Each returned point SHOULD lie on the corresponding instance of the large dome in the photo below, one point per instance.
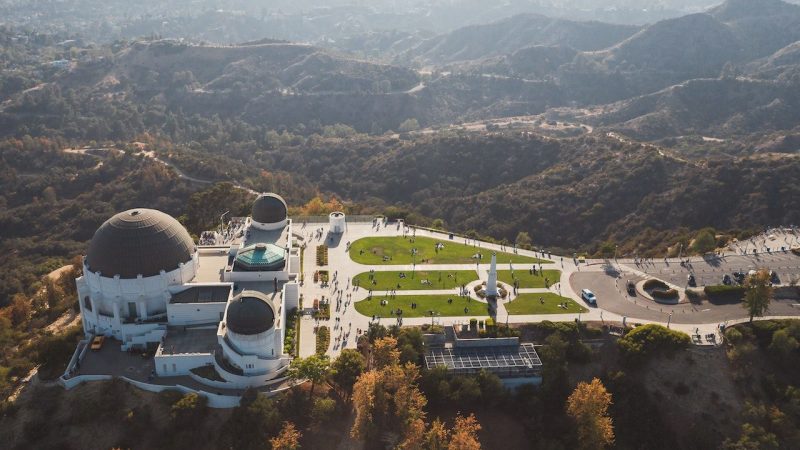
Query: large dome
(269, 208)
(139, 242)
(250, 313)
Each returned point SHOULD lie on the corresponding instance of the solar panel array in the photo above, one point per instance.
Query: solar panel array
(522, 358)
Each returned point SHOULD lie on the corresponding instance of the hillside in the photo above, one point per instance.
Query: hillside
(763, 26)
(563, 192)
(512, 34)
(715, 107)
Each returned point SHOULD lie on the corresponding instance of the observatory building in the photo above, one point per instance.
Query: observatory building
(222, 305)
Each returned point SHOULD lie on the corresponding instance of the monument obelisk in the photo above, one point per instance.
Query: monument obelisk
(491, 283)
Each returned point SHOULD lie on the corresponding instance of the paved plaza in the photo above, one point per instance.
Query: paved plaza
(614, 304)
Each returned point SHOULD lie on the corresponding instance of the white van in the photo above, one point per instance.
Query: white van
(589, 296)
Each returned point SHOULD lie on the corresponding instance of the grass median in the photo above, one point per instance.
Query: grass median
(397, 250)
(417, 280)
(543, 303)
(460, 306)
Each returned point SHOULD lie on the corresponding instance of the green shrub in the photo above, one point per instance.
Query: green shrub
(733, 335)
(648, 340)
(323, 340)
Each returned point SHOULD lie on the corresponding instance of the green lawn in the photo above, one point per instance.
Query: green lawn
(439, 279)
(528, 280)
(397, 249)
(425, 303)
(529, 304)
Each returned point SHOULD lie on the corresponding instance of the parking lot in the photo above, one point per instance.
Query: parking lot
(710, 271)
(612, 296)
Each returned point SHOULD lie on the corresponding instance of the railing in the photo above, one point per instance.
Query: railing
(325, 219)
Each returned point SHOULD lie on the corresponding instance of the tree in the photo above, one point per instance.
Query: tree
(388, 400)
(323, 410)
(705, 241)
(437, 437)
(346, 369)
(251, 424)
(385, 353)
(783, 344)
(554, 370)
(315, 368)
(188, 410)
(409, 125)
(523, 239)
(758, 293)
(465, 434)
(588, 406)
(287, 439)
(651, 339)
(607, 249)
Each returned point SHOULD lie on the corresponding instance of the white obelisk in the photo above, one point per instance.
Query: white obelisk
(491, 283)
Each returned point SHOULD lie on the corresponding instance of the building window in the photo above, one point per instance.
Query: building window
(87, 303)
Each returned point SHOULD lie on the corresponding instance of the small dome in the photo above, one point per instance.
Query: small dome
(269, 208)
(250, 313)
(261, 257)
(139, 242)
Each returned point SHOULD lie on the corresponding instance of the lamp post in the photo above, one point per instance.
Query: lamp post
(413, 261)
(669, 320)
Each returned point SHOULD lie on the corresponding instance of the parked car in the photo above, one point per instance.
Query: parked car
(773, 277)
(589, 296)
(739, 277)
(691, 280)
(631, 289)
(97, 342)
(726, 280)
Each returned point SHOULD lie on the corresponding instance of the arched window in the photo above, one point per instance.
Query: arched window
(87, 304)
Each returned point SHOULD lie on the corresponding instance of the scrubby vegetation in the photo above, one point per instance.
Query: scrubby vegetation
(646, 341)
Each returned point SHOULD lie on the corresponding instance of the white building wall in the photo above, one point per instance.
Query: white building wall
(180, 364)
(195, 313)
(291, 297)
(238, 276)
(336, 222)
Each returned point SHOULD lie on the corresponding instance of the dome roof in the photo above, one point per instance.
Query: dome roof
(139, 242)
(269, 208)
(261, 257)
(250, 313)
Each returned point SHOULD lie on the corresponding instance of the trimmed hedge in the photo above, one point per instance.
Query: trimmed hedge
(669, 294)
(323, 340)
(655, 284)
(724, 291)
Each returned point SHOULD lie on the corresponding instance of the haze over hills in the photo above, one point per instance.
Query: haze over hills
(585, 128)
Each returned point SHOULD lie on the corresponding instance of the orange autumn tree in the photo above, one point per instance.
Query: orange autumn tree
(588, 406)
(317, 206)
(287, 439)
(465, 434)
(387, 399)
